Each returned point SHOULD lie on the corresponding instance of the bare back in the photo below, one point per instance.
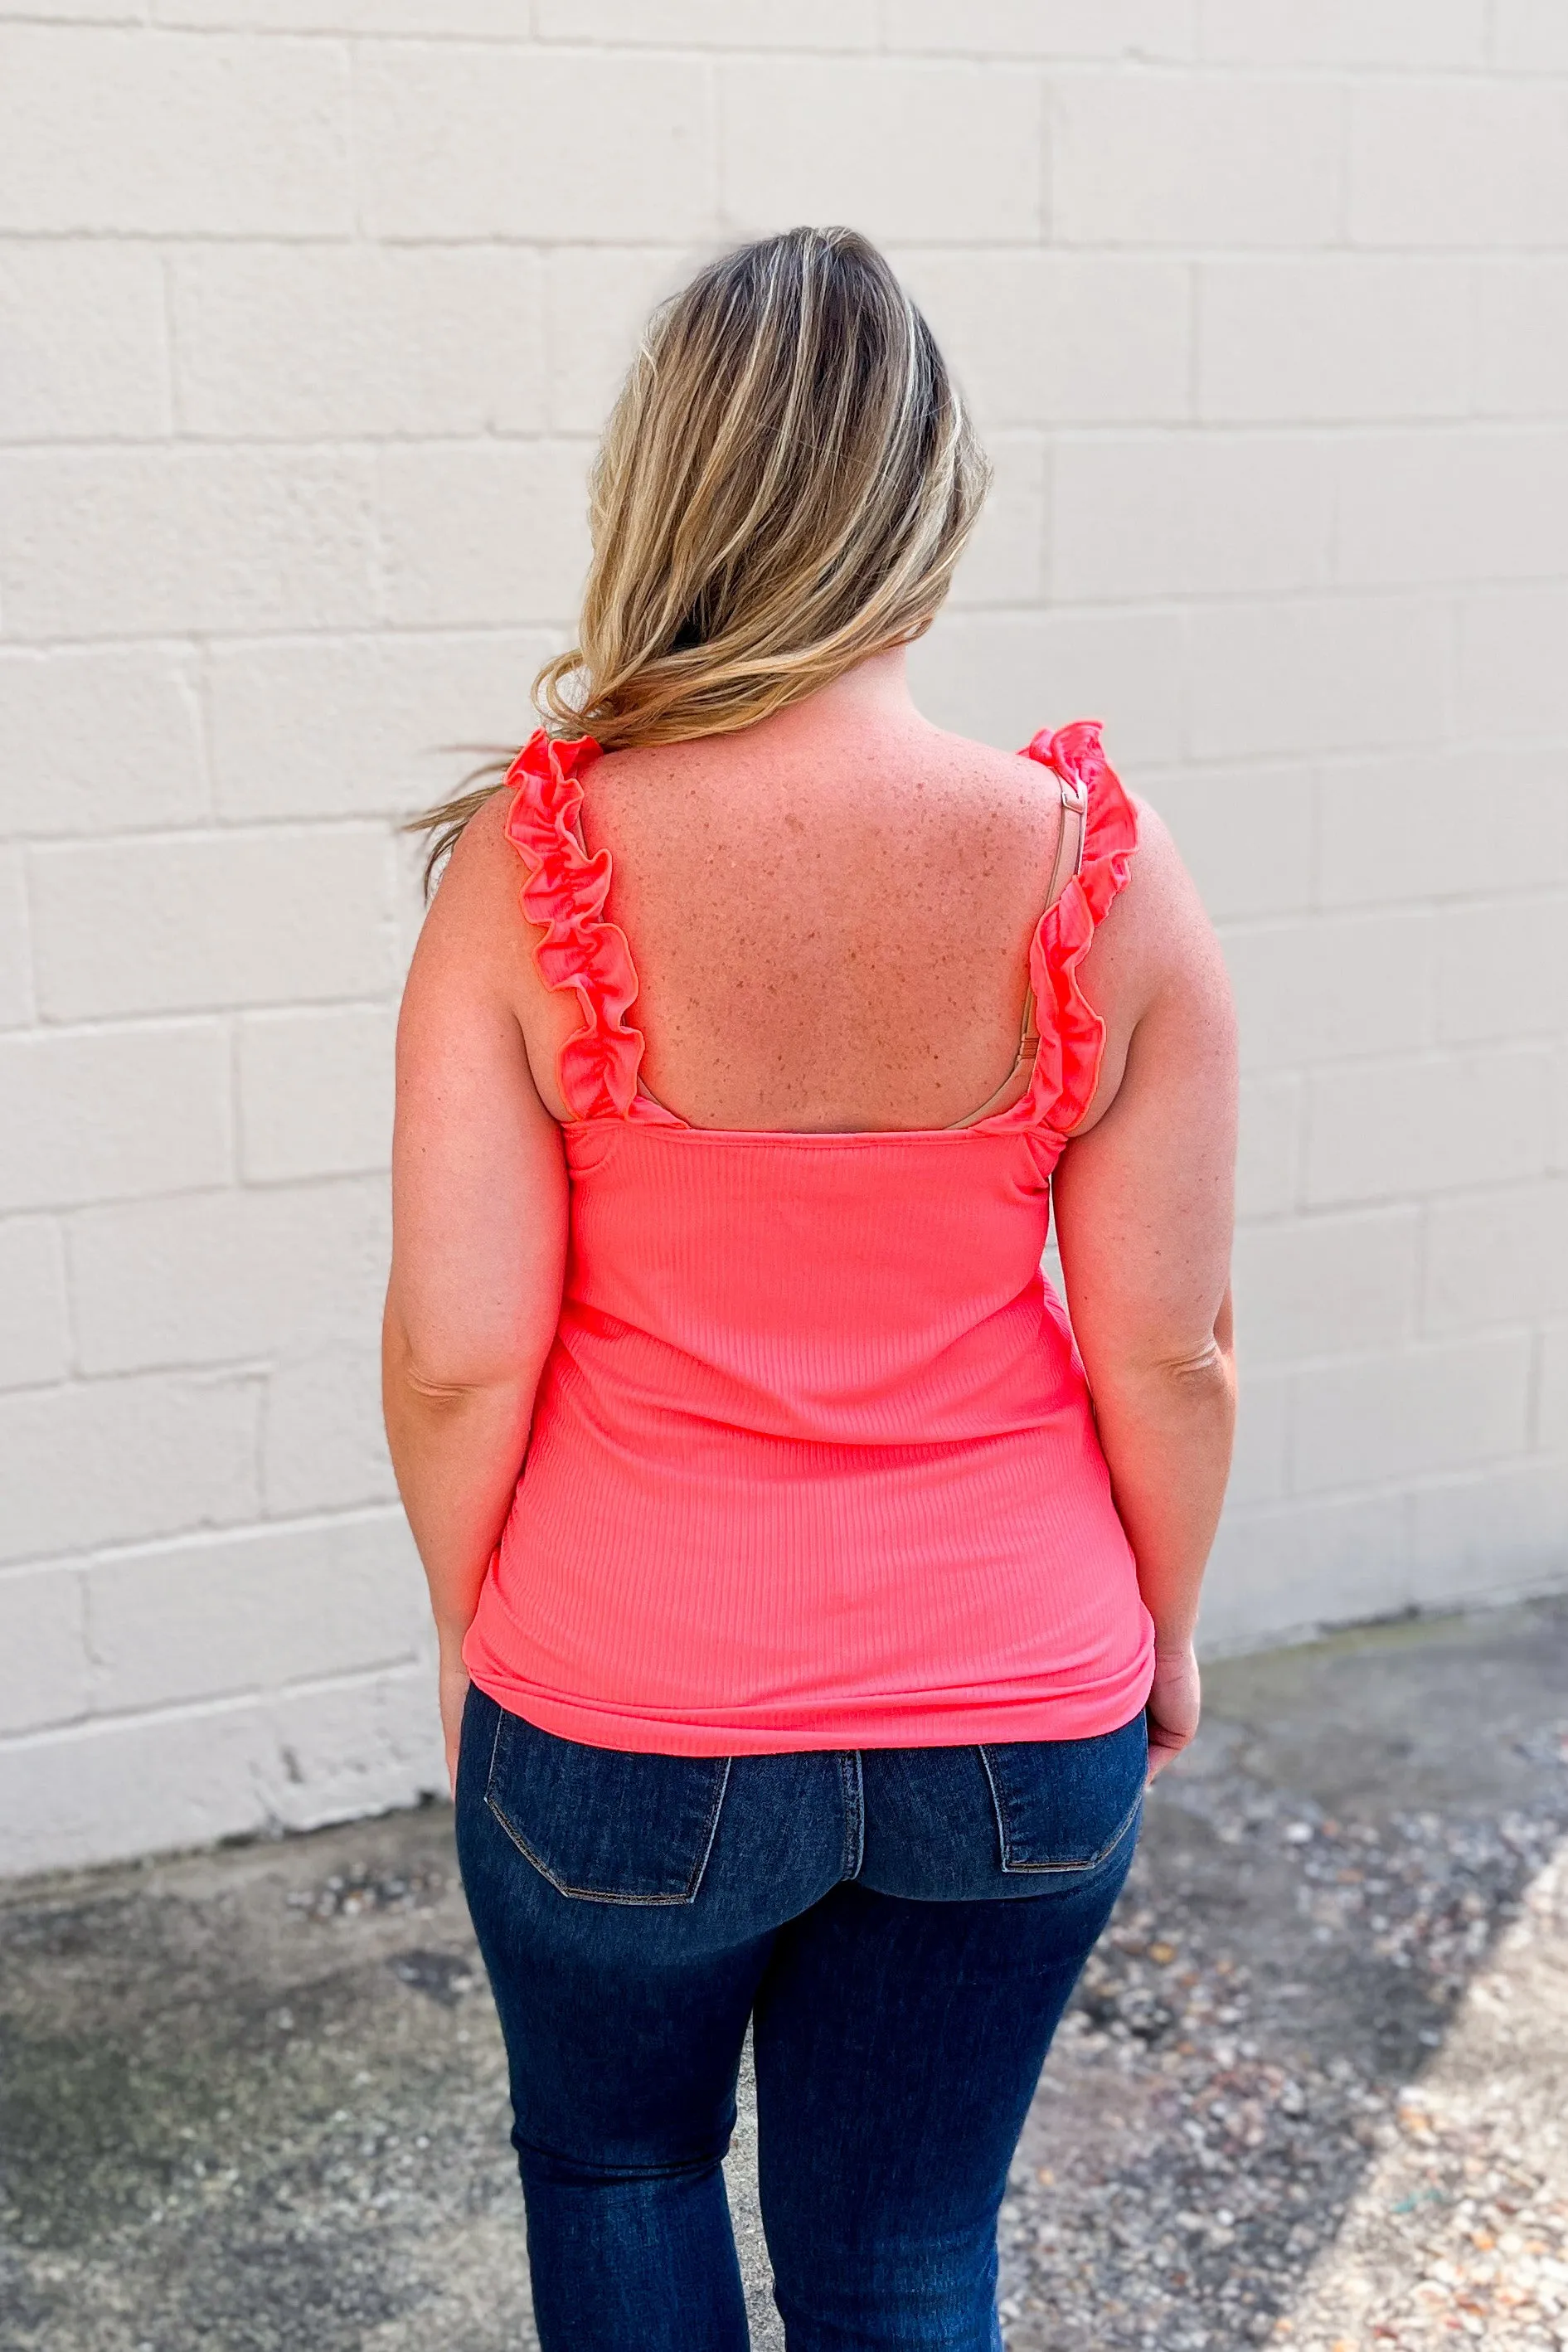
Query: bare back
(829, 915)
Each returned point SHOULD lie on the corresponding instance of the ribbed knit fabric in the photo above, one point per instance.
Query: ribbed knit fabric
(812, 1461)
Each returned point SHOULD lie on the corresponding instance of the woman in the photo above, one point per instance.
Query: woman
(807, 1634)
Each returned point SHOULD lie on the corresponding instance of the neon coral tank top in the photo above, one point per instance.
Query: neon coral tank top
(812, 1461)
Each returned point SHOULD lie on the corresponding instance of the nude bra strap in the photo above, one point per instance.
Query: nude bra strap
(1074, 830)
(1070, 844)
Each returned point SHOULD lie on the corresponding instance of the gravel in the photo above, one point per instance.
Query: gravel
(1461, 2229)
(1206, 2121)
(1314, 2090)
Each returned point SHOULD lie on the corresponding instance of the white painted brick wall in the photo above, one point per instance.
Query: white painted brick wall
(1522, 333)
(1292, 337)
(310, 312)
(182, 923)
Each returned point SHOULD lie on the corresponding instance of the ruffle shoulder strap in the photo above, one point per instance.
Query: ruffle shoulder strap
(1072, 1034)
(564, 893)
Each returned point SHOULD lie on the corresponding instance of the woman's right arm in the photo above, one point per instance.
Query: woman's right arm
(480, 1206)
(1145, 1204)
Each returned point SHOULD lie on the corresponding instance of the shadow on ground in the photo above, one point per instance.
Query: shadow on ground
(253, 2100)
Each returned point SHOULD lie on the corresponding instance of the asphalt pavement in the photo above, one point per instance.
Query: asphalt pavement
(1309, 2092)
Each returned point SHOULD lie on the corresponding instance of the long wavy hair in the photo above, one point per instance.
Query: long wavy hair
(786, 483)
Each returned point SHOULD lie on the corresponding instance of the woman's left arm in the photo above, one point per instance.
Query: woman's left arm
(479, 1235)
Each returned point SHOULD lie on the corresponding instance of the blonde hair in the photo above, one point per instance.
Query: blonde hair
(787, 481)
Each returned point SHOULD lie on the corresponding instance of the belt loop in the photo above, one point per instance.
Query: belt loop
(852, 1779)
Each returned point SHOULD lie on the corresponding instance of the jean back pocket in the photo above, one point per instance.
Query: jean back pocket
(1067, 1804)
(601, 1824)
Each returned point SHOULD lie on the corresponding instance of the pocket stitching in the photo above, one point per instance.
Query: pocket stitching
(599, 1893)
(1060, 1869)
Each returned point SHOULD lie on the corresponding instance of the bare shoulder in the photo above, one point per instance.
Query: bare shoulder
(1155, 965)
(1156, 933)
(480, 876)
(474, 939)
(474, 922)
(475, 954)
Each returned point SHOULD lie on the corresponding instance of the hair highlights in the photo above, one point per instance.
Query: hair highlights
(786, 483)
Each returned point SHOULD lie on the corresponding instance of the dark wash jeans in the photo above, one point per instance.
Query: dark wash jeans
(902, 1925)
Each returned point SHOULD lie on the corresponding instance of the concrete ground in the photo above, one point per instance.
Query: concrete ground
(1310, 2093)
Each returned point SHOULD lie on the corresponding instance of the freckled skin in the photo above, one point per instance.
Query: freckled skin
(829, 915)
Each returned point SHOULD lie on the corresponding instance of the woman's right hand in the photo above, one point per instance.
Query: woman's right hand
(453, 1689)
(1174, 1707)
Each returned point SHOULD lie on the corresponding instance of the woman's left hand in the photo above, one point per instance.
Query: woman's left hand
(454, 1692)
(1175, 1703)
